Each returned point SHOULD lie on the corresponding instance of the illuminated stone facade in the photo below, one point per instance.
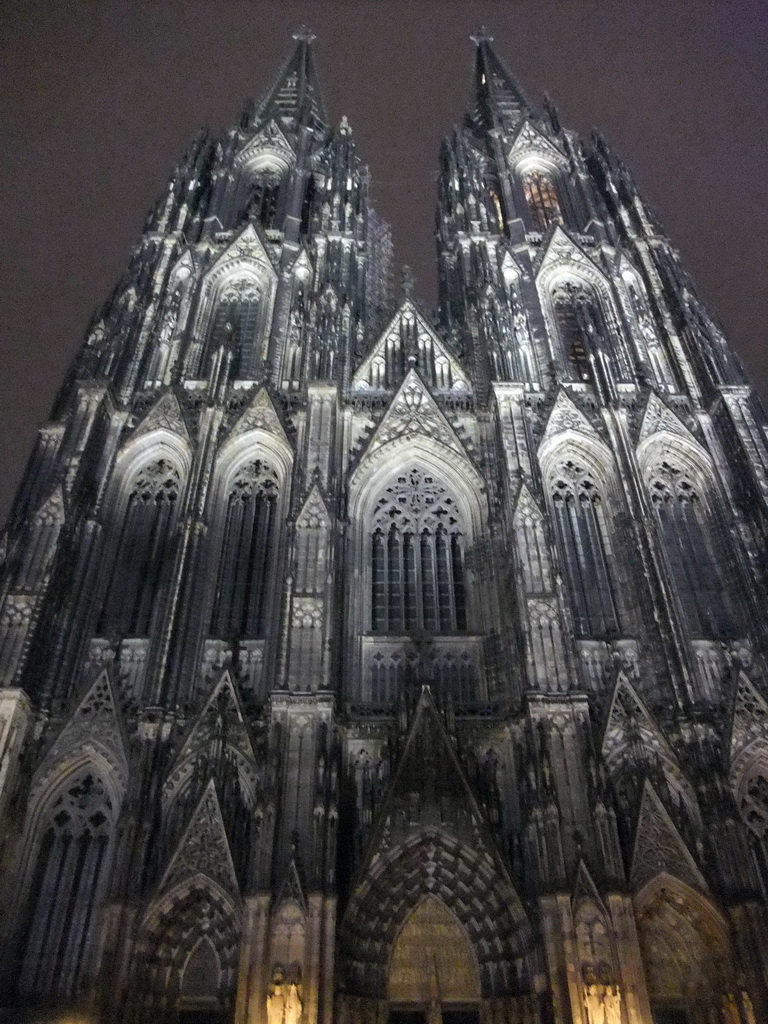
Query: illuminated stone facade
(363, 665)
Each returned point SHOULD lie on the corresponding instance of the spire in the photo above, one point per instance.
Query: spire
(295, 95)
(496, 96)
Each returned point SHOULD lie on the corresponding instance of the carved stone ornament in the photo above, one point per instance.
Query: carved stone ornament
(660, 847)
(203, 848)
(414, 412)
(164, 415)
(259, 414)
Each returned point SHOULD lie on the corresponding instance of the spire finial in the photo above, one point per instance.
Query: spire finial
(304, 35)
(482, 35)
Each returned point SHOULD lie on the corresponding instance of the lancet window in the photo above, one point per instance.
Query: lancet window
(68, 882)
(144, 552)
(577, 317)
(262, 205)
(417, 554)
(582, 533)
(686, 534)
(541, 197)
(754, 813)
(247, 553)
(235, 324)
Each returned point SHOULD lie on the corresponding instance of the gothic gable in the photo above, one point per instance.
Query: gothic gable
(248, 248)
(526, 507)
(565, 417)
(629, 722)
(165, 414)
(529, 141)
(414, 413)
(749, 719)
(429, 788)
(95, 728)
(203, 848)
(659, 418)
(585, 890)
(314, 512)
(268, 141)
(409, 337)
(259, 414)
(562, 252)
(659, 847)
(221, 720)
(52, 510)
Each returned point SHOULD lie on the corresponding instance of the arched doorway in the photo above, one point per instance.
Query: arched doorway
(433, 971)
(685, 950)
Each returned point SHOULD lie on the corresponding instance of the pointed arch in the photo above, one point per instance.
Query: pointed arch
(68, 849)
(469, 885)
(685, 947)
(248, 505)
(581, 492)
(749, 784)
(580, 312)
(169, 936)
(141, 513)
(681, 489)
(234, 313)
(432, 959)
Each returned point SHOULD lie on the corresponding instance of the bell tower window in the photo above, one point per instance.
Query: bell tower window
(541, 197)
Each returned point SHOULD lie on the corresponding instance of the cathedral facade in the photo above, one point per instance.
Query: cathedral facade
(361, 665)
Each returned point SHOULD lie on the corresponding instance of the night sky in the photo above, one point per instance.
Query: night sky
(99, 99)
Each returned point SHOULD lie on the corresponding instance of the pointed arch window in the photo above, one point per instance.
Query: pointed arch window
(754, 812)
(687, 538)
(247, 553)
(541, 197)
(234, 326)
(579, 518)
(145, 551)
(417, 555)
(262, 205)
(68, 883)
(577, 317)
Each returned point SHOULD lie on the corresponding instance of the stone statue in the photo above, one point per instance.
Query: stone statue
(276, 998)
(292, 1003)
(594, 1005)
(612, 1004)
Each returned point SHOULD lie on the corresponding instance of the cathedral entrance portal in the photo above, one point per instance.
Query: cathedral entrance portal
(433, 972)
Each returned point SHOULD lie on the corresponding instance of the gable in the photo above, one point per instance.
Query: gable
(409, 339)
(165, 414)
(659, 846)
(203, 848)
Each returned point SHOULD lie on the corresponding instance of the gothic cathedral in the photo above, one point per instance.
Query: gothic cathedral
(365, 666)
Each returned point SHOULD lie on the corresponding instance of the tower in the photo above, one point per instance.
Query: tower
(360, 665)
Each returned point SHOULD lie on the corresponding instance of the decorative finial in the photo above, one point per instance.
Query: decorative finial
(407, 281)
(344, 128)
(304, 35)
(482, 35)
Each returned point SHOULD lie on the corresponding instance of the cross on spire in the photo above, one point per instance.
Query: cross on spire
(304, 35)
(482, 35)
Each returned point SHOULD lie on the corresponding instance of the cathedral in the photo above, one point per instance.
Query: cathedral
(365, 665)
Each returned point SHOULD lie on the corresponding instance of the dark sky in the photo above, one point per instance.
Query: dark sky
(98, 99)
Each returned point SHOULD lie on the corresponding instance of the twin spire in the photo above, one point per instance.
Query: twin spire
(295, 96)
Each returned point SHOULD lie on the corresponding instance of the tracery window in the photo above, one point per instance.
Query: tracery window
(145, 551)
(262, 206)
(686, 534)
(247, 553)
(417, 556)
(754, 813)
(579, 518)
(234, 326)
(66, 887)
(577, 318)
(541, 197)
